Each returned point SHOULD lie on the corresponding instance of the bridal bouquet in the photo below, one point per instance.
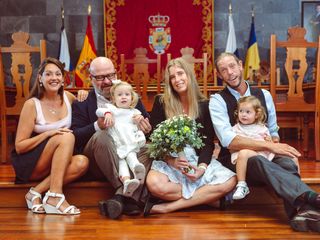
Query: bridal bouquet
(172, 135)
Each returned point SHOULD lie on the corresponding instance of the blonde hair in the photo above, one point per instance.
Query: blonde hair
(261, 115)
(171, 98)
(134, 95)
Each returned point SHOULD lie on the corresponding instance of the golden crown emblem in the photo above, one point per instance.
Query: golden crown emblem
(159, 20)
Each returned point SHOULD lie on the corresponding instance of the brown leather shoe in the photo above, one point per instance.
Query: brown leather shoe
(306, 220)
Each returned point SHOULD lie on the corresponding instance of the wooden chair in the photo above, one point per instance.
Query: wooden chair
(21, 72)
(140, 75)
(187, 54)
(300, 102)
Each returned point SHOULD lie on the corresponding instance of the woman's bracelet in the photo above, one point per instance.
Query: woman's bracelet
(202, 167)
(107, 113)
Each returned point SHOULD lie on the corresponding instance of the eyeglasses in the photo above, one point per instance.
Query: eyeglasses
(110, 76)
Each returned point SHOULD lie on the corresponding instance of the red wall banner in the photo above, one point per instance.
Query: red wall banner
(162, 27)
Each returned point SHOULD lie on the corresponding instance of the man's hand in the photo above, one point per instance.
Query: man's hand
(137, 118)
(284, 149)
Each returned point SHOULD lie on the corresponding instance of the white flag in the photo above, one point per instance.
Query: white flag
(64, 55)
(231, 41)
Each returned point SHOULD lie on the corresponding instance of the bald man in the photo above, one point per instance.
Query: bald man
(98, 146)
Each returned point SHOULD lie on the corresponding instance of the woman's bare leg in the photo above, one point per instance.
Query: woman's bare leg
(204, 195)
(159, 186)
(57, 158)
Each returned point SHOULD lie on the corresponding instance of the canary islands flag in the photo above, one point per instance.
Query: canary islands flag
(88, 53)
(252, 57)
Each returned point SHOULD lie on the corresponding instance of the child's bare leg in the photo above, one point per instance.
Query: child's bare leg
(241, 167)
(242, 161)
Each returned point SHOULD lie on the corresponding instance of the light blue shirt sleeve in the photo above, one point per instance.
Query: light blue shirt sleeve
(221, 122)
(272, 117)
(220, 119)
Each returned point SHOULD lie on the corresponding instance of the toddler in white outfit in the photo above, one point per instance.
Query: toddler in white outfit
(121, 119)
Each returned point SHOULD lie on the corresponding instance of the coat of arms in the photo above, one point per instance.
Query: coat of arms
(159, 34)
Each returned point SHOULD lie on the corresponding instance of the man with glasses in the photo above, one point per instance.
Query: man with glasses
(97, 145)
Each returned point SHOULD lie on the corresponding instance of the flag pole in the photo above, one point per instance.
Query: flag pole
(62, 12)
(252, 13)
(89, 9)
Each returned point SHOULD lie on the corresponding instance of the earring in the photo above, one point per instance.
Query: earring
(40, 83)
(62, 84)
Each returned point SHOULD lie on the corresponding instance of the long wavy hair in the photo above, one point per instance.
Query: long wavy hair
(171, 98)
(38, 89)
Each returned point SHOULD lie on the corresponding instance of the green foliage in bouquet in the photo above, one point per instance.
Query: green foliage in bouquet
(172, 135)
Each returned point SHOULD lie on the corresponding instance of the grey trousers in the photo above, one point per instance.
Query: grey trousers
(104, 162)
(281, 175)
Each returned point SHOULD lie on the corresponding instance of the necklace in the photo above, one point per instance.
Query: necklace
(53, 111)
(52, 107)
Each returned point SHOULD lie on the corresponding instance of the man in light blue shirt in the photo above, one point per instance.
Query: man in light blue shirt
(301, 202)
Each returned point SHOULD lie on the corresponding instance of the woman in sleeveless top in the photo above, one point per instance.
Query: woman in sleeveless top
(44, 143)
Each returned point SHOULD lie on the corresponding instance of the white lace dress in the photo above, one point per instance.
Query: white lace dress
(125, 133)
(215, 173)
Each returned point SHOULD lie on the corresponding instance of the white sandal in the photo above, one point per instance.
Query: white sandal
(35, 208)
(50, 209)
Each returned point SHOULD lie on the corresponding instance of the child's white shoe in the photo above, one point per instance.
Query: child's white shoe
(139, 172)
(129, 186)
(241, 192)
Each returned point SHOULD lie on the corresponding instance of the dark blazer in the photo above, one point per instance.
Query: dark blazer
(84, 116)
(205, 153)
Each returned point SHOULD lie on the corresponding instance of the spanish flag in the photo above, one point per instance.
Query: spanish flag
(252, 57)
(88, 53)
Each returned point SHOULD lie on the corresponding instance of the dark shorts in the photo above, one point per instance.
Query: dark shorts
(25, 163)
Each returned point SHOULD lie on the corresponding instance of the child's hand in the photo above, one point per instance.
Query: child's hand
(275, 139)
(267, 138)
(108, 120)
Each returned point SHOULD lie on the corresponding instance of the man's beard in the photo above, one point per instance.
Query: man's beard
(238, 85)
(105, 94)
